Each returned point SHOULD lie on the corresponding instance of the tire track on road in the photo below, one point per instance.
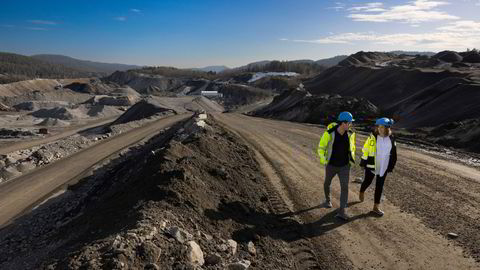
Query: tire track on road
(399, 240)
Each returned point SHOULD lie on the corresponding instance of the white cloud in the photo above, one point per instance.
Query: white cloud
(135, 10)
(369, 7)
(120, 18)
(338, 6)
(340, 38)
(414, 12)
(43, 22)
(454, 36)
(461, 26)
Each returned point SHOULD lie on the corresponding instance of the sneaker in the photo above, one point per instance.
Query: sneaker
(327, 204)
(378, 212)
(342, 214)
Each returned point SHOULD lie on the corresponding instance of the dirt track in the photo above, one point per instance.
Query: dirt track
(11, 147)
(426, 198)
(20, 194)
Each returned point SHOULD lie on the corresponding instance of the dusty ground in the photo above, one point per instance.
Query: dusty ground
(20, 193)
(260, 186)
(126, 215)
(426, 198)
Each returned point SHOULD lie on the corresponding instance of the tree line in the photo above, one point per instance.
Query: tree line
(175, 72)
(304, 68)
(15, 67)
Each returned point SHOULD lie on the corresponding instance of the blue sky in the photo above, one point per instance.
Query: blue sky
(199, 33)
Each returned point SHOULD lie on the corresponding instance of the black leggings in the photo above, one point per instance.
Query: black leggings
(369, 175)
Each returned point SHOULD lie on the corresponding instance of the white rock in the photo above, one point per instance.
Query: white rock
(195, 253)
(9, 172)
(452, 235)
(117, 241)
(208, 237)
(152, 233)
(26, 166)
(223, 247)
(240, 265)
(233, 246)
(132, 235)
(202, 116)
(163, 224)
(10, 160)
(251, 248)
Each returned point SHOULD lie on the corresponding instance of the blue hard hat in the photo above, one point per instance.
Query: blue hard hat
(384, 121)
(345, 117)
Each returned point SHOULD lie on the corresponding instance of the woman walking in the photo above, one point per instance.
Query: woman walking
(379, 158)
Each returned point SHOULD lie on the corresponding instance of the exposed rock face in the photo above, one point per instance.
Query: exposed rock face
(145, 84)
(236, 95)
(92, 86)
(300, 106)
(415, 97)
(277, 84)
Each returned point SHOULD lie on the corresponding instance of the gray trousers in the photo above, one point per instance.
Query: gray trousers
(343, 174)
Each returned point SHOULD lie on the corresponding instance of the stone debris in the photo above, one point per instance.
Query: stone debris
(195, 253)
(240, 265)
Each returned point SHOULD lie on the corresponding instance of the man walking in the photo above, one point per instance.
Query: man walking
(336, 151)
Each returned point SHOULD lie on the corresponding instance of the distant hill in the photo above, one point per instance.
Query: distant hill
(413, 53)
(417, 91)
(257, 64)
(215, 69)
(83, 65)
(327, 62)
(304, 66)
(302, 61)
(332, 61)
(16, 67)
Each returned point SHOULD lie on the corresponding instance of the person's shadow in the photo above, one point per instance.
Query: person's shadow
(278, 226)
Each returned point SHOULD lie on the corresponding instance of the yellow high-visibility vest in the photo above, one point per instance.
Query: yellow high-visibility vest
(324, 148)
(370, 152)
